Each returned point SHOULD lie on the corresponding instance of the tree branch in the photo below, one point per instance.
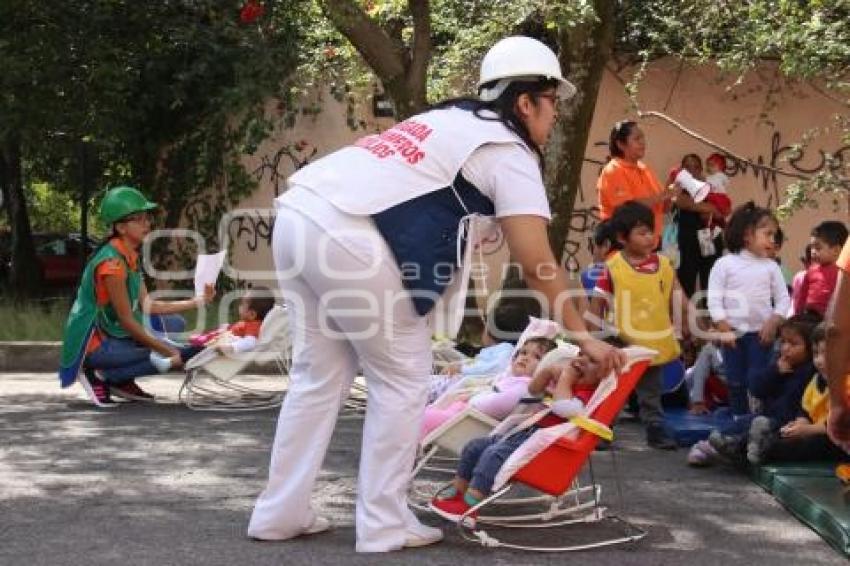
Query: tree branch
(370, 39)
(715, 145)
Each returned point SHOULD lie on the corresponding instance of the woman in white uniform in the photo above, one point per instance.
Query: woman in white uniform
(365, 245)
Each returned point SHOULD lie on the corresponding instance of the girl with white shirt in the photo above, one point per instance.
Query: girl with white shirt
(747, 299)
(366, 244)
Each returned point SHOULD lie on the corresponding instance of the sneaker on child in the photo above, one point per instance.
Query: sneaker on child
(759, 439)
(453, 509)
(657, 437)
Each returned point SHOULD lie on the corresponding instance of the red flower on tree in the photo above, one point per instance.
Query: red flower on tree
(251, 11)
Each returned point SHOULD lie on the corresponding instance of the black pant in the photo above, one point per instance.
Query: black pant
(808, 448)
(692, 265)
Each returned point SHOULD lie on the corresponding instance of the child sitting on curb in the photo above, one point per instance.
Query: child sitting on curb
(572, 385)
(804, 438)
(779, 387)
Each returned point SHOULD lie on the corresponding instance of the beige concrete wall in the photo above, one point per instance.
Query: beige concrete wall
(757, 120)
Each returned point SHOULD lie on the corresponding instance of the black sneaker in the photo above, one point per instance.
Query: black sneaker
(728, 446)
(96, 388)
(759, 439)
(657, 437)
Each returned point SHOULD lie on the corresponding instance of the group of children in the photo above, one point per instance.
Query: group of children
(519, 384)
(777, 390)
(770, 367)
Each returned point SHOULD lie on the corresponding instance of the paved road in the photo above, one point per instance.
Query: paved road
(160, 484)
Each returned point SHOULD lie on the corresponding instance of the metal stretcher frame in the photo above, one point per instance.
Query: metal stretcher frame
(553, 473)
(212, 383)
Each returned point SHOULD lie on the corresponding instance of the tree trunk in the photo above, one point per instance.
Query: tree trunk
(584, 50)
(25, 277)
(401, 69)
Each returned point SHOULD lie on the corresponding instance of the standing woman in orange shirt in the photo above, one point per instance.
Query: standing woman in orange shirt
(625, 177)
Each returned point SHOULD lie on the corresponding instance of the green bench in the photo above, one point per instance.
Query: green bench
(812, 493)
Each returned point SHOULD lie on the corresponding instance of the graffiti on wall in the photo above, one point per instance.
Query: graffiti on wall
(796, 160)
(255, 227)
(276, 167)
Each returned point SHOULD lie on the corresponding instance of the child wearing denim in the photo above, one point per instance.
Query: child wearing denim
(778, 386)
(804, 438)
(572, 385)
(747, 299)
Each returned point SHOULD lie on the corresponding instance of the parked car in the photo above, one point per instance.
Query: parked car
(58, 256)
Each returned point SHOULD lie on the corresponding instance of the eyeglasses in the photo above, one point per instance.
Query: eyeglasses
(551, 96)
(140, 218)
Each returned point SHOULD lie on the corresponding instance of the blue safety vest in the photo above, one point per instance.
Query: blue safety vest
(423, 236)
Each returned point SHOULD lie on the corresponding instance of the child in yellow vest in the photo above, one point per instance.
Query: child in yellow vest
(804, 438)
(640, 291)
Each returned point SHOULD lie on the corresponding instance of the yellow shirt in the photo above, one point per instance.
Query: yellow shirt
(816, 400)
(642, 306)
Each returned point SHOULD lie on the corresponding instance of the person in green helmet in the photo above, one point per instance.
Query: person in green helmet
(105, 343)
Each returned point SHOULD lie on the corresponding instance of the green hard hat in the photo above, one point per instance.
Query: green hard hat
(123, 201)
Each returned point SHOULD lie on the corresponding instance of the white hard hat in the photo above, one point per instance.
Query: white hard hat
(519, 58)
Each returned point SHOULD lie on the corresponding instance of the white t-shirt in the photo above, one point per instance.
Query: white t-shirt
(510, 177)
(719, 182)
(507, 174)
(745, 290)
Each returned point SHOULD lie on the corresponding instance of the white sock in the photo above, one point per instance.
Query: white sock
(161, 363)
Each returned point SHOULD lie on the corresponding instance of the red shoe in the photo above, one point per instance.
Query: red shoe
(453, 509)
(96, 389)
(130, 391)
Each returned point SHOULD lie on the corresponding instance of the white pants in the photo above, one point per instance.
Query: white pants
(395, 359)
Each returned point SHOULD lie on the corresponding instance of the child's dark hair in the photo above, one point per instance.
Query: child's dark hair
(630, 215)
(547, 344)
(604, 234)
(503, 109)
(745, 217)
(819, 333)
(510, 317)
(806, 256)
(831, 232)
(620, 133)
(779, 238)
(260, 300)
(693, 156)
(803, 324)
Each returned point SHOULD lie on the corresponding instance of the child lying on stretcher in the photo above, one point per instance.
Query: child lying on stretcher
(571, 383)
(496, 400)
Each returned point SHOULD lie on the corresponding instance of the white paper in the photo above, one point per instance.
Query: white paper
(206, 270)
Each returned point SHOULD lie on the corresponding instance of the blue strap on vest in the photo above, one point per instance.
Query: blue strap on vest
(422, 234)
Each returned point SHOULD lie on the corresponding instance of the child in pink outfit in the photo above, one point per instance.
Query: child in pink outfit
(500, 399)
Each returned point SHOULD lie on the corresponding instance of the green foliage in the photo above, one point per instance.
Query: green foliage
(52, 211)
(169, 95)
(807, 41)
(461, 31)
